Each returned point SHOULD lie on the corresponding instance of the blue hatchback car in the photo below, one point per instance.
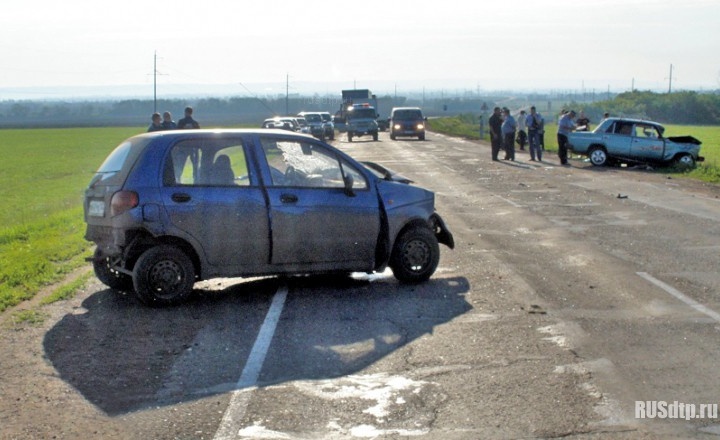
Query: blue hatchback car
(167, 209)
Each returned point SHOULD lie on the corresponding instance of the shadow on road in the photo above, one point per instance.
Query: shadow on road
(122, 356)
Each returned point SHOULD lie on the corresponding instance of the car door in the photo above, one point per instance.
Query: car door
(213, 199)
(619, 139)
(315, 220)
(647, 143)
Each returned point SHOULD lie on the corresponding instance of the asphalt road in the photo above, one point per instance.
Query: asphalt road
(573, 294)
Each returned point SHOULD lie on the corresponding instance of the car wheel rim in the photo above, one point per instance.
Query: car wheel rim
(165, 278)
(597, 156)
(686, 160)
(416, 255)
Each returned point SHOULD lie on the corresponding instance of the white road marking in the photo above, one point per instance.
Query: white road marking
(232, 419)
(682, 297)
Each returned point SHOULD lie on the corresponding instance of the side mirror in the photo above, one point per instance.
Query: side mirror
(348, 180)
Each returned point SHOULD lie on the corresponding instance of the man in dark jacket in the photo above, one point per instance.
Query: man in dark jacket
(496, 138)
(188, 121)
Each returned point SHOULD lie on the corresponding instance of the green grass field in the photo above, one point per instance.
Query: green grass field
(42, 178)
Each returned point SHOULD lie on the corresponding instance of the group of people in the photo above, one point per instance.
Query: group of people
(530, 128)
(165, 122)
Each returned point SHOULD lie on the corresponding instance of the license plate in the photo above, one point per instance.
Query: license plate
(96, 208)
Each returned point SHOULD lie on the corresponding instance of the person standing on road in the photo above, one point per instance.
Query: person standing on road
(534, 123)
(496, 140)
(156, 124)
(565, 126)
(522, 126)
(188, 121)
(508, 128)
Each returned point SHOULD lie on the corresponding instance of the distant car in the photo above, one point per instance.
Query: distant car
(277, 123)
(407, 121)
(619, 140)
(169, 208)
(329, 125)
(318, 125)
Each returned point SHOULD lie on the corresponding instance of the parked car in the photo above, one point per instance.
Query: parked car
(318, 126)
(277, 123)
(618, 140)
(329, 125)
(167, 209)
(407, 121)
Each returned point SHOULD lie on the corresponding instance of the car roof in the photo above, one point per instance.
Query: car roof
(633, 120)
(224, 131)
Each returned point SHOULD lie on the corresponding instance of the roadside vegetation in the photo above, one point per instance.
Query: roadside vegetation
(42, 178)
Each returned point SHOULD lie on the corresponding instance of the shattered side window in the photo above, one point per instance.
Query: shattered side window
(303, 164)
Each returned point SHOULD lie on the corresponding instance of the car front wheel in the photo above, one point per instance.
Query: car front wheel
(685, 161)
(163, 275)
(598, 156)
(415, 255)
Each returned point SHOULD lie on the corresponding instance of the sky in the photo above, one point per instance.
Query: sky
(589, 45)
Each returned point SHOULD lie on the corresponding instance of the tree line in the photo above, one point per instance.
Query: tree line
(684, 107)
(687, 107)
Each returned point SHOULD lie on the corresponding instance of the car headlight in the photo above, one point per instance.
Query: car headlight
(421, 127)
(397, 127)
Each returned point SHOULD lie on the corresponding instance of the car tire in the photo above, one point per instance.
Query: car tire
(421, 137)
(111, 278)
(685, 161)
(415, 255)
(375, 136)
(392, 136)
(350, 136)
(598, 156)
(163, 275)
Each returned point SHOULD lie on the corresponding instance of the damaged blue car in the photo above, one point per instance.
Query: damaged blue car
(168, 209)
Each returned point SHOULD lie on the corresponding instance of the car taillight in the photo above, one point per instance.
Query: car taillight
(122, 201)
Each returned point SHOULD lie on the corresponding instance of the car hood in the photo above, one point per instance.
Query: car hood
(684, 140)
(386, 173)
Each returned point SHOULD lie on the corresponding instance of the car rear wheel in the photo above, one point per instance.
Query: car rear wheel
(685, 161)
(115, 280)
(163, 275)
(415, 256)
(598, 156)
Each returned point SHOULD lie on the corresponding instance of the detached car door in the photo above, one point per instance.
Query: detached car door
(213, 200)
(324, 212)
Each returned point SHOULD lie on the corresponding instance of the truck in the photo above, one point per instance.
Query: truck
(356, 105)
(361, 120)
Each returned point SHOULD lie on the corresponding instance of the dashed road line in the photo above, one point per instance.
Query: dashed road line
(682, 297)
(235, 412)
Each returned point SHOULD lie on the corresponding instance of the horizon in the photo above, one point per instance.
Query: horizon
(433, 89)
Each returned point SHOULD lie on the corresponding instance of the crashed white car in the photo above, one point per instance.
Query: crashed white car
(633, 141)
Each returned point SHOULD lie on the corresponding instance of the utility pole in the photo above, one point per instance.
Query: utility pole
(155, 82)
(670, 81)
(287, 94)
